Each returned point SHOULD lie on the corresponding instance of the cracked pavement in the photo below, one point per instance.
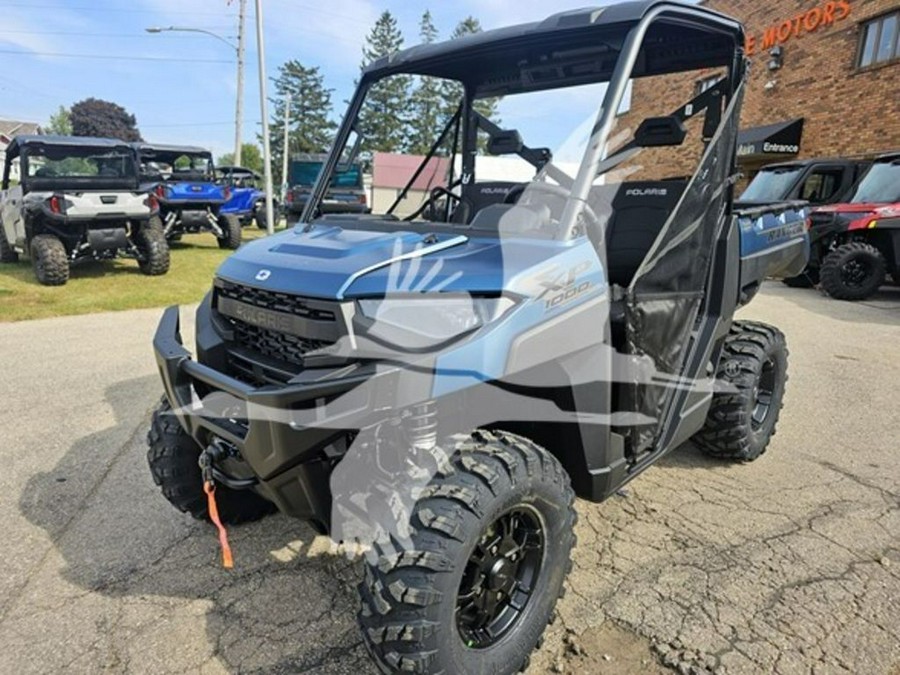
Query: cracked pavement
(790, 564)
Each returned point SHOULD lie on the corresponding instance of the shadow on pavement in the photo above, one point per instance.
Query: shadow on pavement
(881, 308)
(689, 456)
(287, 607)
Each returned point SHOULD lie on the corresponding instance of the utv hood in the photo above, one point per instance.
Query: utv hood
(854, 216)
(336, 263)
(857, 210)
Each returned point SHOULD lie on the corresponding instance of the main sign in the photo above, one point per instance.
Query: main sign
(826, 14)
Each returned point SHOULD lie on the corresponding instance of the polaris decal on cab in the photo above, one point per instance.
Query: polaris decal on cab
(646, 192)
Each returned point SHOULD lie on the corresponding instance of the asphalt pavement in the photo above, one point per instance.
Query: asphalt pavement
(790, 564)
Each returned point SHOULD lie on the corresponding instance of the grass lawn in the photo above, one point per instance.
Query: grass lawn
(114, 285)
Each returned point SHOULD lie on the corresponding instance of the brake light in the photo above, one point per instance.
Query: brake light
(808, 224)
(55, 204)
(152, 202)
(362, 199)
(289, 197)
(161, 191)
(227, 192)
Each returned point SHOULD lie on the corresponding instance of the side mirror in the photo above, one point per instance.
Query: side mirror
(656, 132)
(506, 143)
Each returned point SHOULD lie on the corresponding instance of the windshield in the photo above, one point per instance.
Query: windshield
(771, 185)
(175, 166)
(528, 153)
(881, 185)
(60, 163)
(304, 174)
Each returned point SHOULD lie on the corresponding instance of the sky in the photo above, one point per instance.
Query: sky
(182, 86)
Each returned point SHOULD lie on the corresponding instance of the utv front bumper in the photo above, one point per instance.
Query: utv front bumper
(285, 438)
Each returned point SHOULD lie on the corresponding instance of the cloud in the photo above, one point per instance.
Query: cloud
(34, 33)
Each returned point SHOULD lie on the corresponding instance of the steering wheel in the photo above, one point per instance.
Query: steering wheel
(550, 171)
(433, 196)
(591, 222)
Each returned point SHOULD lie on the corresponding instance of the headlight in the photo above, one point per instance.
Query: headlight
(421, 322)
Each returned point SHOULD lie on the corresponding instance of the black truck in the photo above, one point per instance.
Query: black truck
(816, 181)
(346, 191)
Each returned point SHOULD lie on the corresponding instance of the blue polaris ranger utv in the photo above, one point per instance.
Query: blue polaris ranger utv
(248, 197)
(433, 384)
(190, 197)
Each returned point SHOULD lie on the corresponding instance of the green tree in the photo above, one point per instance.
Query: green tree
(251, 158)
(310, 127)
(104, 119)
(453, 92)
(384, 119)
(426, 101)
(60, 122)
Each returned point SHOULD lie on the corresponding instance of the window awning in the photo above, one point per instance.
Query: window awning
(782, 138)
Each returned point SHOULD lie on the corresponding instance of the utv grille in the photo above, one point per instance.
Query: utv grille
(273, 344)
(271, 333)
(277, 302)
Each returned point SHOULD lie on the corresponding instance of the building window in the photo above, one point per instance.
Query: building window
(707, 83)
(880, 40)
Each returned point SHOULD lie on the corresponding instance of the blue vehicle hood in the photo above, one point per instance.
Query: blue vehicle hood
(333, 263)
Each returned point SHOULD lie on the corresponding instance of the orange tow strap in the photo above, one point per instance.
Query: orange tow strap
(210, 489)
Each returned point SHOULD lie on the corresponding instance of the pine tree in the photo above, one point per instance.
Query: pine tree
(452, 92)
(384, 116)
(426, 102)
(310, 127)
(486, 106)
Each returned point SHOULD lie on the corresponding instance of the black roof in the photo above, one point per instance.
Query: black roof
(63, 141)
(598, 29)
(143, 146)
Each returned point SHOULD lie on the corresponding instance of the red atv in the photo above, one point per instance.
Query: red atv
(855, 245)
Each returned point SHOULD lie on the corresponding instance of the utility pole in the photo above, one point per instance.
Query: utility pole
(264, 111)
(285, 149)
(239, 112)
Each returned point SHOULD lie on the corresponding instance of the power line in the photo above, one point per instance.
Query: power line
(195, 124)
(110, 57)
(129, 36)
(305, 7)
(89, 8)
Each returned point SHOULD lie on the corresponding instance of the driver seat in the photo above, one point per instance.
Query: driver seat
(640, 210)
(477, 196)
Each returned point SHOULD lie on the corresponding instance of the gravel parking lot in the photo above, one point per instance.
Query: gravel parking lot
(788, 565)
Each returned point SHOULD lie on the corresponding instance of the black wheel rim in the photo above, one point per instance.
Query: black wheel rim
(500, 577)
(763, 394)
(855, 272)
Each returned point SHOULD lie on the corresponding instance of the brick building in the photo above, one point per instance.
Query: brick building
(825, 81)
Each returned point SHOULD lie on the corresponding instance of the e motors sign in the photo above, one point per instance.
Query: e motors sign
(823, 15)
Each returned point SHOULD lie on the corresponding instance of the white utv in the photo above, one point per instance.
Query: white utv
(78, 199)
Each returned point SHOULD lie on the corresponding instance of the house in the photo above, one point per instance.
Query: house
(391, 173)
(9, 129)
